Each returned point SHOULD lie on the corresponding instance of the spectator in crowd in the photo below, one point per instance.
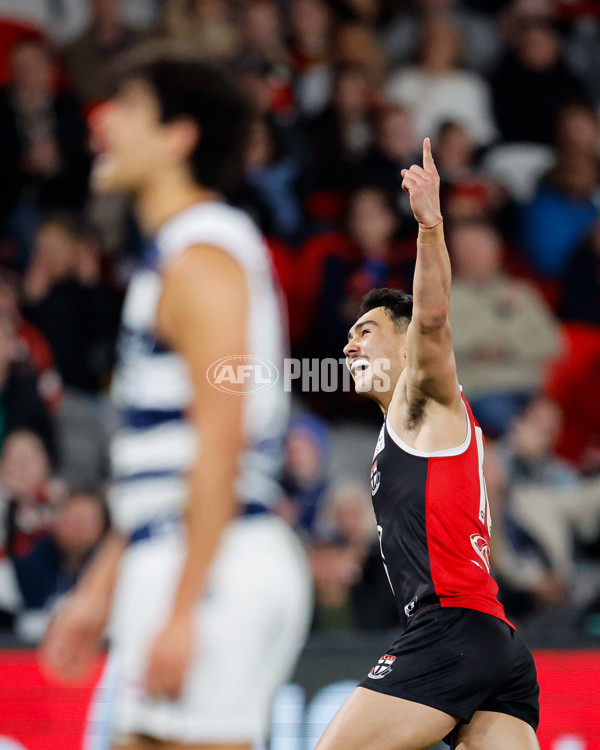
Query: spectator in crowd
(581, 296)
(526, 581)
(274, 176)
(394, 147)
(468, 193)
(65, 297)
(356, 44)
(341, 135)
(351, 587)
(43, 149)
(550, 507)
(534, 64)
(32, 347)
(311, 25)
(209, 24)
(578, 129)
(561, 214)
(480, 45)
(305, 476)
(504, 334)
(88, 57)
(454, 152)
(21, 405)
(583, 47)
(31, 584)
(528, 448)
(348, 511)
(262, 34)
(335, 571)
(27, 493)
(436, 89)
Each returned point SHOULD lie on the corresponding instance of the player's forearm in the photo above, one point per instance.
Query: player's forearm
(431, 285)
(100, 577)
(211, 506)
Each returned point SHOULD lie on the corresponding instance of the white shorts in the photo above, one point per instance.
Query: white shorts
(251, 625)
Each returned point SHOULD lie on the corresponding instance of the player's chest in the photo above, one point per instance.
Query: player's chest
(398, 480)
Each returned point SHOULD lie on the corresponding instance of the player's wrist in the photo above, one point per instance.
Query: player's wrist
(432, 234)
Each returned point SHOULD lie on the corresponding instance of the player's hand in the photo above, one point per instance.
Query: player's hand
(74, 637)
(423, 186)
(170, 658)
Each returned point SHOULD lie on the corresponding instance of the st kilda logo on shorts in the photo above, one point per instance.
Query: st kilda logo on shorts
(375, 478)
(384, 666)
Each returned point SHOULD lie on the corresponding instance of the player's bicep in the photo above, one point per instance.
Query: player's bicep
(431, 366)
(203, 315)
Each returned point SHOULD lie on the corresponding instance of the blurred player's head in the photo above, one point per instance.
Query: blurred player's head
(376, 348)
(175, 117)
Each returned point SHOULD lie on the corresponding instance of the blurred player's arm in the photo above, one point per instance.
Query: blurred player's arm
(75, 633)
(203, 314)
(431, 368)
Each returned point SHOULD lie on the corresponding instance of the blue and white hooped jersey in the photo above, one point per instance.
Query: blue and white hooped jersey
(155, 445)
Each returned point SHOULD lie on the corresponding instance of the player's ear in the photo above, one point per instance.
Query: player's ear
(183, 137)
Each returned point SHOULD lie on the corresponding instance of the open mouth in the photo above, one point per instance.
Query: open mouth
(359, 365)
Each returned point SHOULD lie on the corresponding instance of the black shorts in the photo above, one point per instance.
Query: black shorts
(460, 661)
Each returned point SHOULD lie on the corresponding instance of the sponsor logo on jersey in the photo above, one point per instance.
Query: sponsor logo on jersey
(481, 546)
(384, 666)
(375, 478)
(411, 606)
(380, 441)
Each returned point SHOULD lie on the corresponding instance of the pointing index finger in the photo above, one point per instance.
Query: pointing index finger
(428, 164)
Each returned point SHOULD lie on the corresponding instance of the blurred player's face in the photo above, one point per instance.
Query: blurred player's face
(375, 355)
(134, 147)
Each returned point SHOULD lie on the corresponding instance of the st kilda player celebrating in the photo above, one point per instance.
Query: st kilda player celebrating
(459, 671)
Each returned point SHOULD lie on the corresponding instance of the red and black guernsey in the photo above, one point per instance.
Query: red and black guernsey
(433, 520)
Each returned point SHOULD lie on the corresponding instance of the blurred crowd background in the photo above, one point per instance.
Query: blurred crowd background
(345, 90)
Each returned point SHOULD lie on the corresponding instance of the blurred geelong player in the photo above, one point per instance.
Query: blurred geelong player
(459, 671)
(209, 591)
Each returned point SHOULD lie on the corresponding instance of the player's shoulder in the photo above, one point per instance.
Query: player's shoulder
(213, 223)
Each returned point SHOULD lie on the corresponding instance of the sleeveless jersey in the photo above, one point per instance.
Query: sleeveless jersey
(155, 445)
(433, 521)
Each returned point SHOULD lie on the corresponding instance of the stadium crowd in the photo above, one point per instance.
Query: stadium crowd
(344, 91)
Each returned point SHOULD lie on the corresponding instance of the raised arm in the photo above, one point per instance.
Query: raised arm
(431, 369)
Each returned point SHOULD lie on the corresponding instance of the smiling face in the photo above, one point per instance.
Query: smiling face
(376, 355)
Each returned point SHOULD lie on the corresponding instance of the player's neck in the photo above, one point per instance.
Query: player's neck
(383, 401)
(165, 197)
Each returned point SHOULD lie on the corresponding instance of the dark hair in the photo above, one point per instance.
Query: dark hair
(186, 85)
(398, 305)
